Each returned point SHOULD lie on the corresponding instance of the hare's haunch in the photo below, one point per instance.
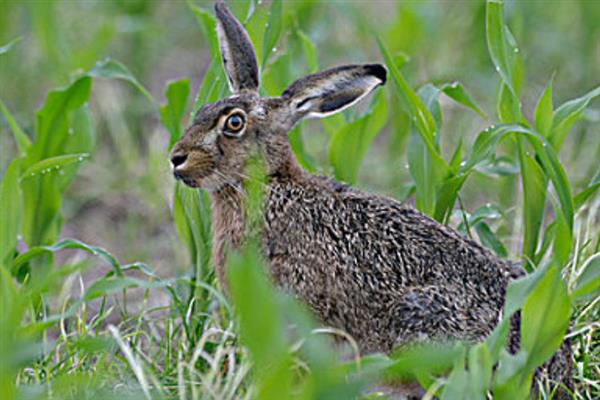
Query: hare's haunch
(367, 264)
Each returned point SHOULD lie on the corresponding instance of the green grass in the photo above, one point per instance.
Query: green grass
(106, 283)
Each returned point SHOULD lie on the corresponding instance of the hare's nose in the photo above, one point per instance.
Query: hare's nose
(178, 159)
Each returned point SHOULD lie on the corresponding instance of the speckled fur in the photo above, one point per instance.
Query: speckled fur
(380, 270)
(364, 263)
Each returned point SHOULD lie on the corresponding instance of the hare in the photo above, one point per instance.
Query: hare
(378, 269)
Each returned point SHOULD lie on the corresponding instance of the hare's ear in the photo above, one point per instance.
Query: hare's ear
(238, 55)
(330, 91)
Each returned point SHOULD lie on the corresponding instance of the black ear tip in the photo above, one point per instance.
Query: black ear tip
(378, 71)
(220, 7)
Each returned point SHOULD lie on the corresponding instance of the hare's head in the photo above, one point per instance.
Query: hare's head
(214, 149)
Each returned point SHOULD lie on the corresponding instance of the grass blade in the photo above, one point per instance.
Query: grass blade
(21, 138)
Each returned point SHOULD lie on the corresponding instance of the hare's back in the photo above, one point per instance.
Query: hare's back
(373, 236)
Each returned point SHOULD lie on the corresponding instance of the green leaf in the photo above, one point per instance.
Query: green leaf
(261, 324)
(534, 198)
(563, 236)
(52, 120)
(457, 381)
(116, 284)
(22, 140)
(310, 53)
(172, 111)
(10, 210)
(272, 31)
(485, 145)
(420, 116)
(349, 145)
(510, 381)
(192, 215)
(429, 358)
(499, 48)
(9, 46)
(567, 114)
(588, 192)
(447, 194)
(256, 25)
(458, 93)
(518, 290)
(297, 144)
(53, 164)
(62, 126)
(588, 282)
(113, 69)
(543, 111)
(545, 318)
(509, 107)
(489, 239)
(214, 86)
(208, 24)
(66, 244)
(480, 371)
(496, 341)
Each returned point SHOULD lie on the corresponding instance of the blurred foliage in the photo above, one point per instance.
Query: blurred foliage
(506, 103)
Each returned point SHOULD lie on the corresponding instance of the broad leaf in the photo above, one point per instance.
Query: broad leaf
(458, 93)
(114, 69)
(10, 210)
(172, 111)
(53, 164)
(588, 281)
(567, 114)
(272, 31)
(545, 318)
(349, 145)
(543, 111)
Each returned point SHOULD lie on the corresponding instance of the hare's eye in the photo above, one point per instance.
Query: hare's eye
(234, 124)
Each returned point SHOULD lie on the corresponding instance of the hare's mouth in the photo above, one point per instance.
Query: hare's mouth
(191, 182)
(188, 180)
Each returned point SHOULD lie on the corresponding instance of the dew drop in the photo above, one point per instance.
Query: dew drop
(80, 158)
(71, 131)
(516, 50)
(274, 49)
(61, 172)
(463, 163)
